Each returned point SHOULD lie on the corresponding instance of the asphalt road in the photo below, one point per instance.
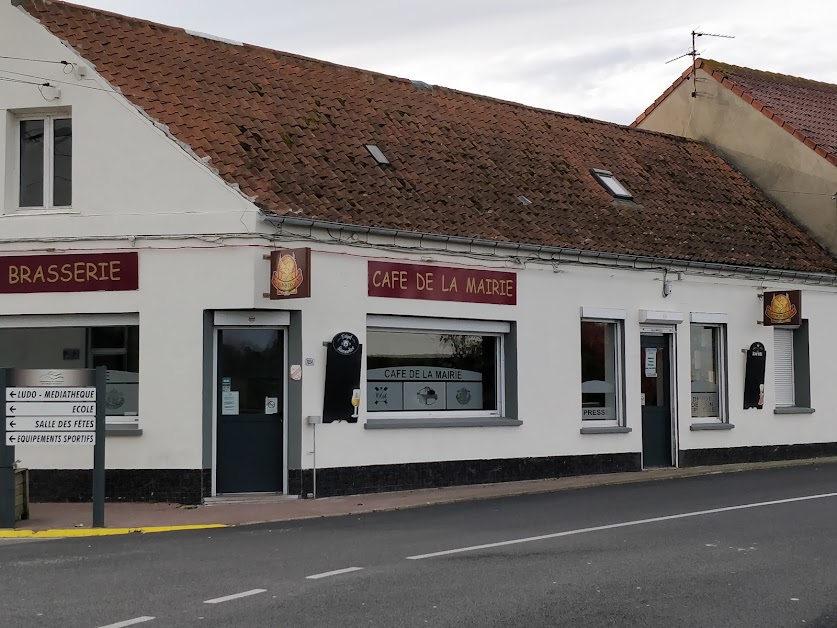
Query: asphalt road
(632, 555)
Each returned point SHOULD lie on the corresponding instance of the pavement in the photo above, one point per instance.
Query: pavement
(74, 519)
(730, 550)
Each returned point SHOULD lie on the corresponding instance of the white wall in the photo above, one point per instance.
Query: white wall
(549, 362)
(177, 285)
(129, 178)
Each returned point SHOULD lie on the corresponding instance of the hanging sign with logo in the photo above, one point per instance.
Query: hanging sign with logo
(87, 272)
(290, 273)
(783, 308)
(441, 283)
(342, 378)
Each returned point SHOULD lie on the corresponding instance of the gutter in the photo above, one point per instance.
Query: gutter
(579, 255)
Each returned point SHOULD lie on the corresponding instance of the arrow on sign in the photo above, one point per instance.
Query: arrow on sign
(11, 439)
(13, 394)
(12, 408)
(12, 423)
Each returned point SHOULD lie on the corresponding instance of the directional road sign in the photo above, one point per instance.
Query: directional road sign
(50, 408)
(50, 438)
(51, 394)
(50, 424)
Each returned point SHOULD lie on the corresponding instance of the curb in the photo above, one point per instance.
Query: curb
(532, 487)
(579, 483)
(88, 532)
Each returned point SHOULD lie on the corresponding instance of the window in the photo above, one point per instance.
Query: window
(415, 372)
(791, 372)
(611, 184)
(708, 357)
(45, 162)
(601, 371)
(115, 347)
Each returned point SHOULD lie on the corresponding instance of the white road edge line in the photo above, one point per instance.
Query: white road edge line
(129, 622)
(613, 526)
(336, 572)
(234, 596)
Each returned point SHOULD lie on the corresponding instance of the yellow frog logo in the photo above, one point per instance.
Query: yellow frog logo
(287, 277)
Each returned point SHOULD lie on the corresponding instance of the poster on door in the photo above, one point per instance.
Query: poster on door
(650, 362)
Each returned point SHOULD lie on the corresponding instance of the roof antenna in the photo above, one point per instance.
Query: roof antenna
(693, 53)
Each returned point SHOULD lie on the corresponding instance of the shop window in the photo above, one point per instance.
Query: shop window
(601, 371)
(708, 360)
(45, 159)
(114, 347)
(415, 372)
(791, 369)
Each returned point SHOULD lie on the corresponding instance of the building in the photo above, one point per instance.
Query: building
(780, 131)
(246, 238)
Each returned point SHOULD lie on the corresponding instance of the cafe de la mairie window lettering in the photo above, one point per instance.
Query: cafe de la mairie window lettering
(411, 371)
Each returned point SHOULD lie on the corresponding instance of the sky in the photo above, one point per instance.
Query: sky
(603, 59)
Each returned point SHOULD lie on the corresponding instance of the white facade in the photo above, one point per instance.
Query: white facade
(202, 247)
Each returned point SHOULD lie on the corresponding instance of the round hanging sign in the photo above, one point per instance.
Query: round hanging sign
(345, 343)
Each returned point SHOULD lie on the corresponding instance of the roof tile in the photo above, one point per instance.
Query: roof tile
(292, 131)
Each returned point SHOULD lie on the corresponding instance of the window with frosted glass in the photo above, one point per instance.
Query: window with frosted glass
(417, 371)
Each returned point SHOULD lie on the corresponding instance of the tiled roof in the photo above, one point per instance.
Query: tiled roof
(804, 108)
(292, 132)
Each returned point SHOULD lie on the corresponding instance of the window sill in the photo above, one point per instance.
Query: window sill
(119, 429)
(606, 429)
(400, 424)
(51, 211)
(793, 410)
(706, 427)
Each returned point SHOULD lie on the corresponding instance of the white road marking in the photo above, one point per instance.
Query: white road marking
(129, 622)
(234, 596)
(337, 572)
(624, 524)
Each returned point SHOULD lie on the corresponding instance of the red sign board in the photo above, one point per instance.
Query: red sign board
(783, 308)
(441, 283)
(82, 272)
(290, 273)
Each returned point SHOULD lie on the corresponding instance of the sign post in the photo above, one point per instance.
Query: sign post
(57, 408)
(99, 451)
(7, 470)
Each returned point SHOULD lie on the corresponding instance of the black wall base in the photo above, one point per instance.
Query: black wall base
(737, 455)
(180, 486)
(403, 477)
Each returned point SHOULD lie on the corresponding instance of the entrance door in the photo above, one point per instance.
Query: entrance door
(250, 433)
(656, 404)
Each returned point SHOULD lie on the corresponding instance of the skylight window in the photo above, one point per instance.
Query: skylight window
(611, 184)
(378, 154)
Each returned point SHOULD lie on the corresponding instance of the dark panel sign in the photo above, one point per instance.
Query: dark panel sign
(754, 376)
(441, 283)
(83, 272)
(783, 308)
(342, 378)
(290, 273)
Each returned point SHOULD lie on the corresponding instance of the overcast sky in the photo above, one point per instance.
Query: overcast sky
(604, 59)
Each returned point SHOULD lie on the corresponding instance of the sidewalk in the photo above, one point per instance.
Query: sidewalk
(59, 519)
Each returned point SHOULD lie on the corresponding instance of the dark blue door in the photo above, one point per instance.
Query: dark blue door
(250, 435)
(656, 404)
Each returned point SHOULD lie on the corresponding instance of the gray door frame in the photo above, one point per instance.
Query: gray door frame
(284, 330)
(670, 333)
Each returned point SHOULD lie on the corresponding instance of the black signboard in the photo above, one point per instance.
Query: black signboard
(754, 376)
(342, 378)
